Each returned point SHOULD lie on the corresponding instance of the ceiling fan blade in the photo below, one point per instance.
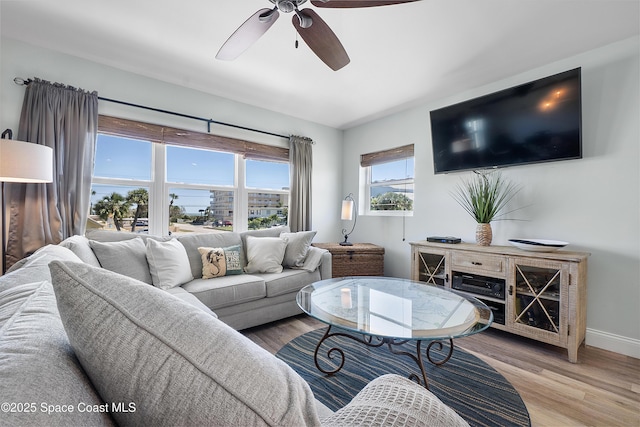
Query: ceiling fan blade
(247, 34)
(356, 3)
(321, 40)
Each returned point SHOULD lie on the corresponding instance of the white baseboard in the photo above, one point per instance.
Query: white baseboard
(612, 342)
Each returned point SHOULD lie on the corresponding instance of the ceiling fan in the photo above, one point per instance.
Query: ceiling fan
(313, 30)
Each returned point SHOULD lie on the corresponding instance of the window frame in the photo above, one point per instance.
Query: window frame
(160, 137)
(367, 161)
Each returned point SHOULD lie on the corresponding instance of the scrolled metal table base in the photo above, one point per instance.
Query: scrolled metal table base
(391, 343)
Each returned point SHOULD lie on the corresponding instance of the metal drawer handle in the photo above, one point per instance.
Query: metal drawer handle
(476, 263)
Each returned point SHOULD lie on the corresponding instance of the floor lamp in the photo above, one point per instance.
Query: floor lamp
(21, 162)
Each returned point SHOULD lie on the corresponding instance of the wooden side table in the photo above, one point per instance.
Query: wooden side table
(360, 259)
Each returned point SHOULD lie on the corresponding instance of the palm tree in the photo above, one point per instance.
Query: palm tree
(139, 197)
(114, 204)
(173, 212)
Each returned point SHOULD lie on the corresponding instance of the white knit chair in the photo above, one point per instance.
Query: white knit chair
(392, 400)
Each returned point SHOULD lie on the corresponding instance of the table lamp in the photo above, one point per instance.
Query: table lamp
(21, 162)
(349, 207)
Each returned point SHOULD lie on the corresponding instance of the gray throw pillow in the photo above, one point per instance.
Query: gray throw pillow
(168, 263)
(128, 257)
(297, 248)
(79, 245)
(265, 254)
(175, 363)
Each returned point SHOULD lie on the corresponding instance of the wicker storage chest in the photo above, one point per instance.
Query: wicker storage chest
(361, 259)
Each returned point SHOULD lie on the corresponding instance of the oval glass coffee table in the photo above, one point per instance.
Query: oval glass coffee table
(377, 311)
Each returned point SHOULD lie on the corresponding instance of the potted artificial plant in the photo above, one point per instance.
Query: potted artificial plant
(484, 196)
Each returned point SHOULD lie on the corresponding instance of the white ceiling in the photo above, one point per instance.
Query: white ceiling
(400, 54)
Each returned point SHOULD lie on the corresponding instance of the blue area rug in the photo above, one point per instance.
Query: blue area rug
(481, 395)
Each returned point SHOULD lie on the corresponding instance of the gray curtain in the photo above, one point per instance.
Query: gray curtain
(301, 161)
(65, 119)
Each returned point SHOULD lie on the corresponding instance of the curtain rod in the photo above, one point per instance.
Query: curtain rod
(26, 82)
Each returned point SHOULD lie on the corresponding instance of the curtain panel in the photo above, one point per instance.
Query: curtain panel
(65, 119)
(301, 164)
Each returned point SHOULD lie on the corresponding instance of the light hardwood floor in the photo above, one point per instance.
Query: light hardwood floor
(603, 389)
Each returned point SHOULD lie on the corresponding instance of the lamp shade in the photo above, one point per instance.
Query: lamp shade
(347, 210)
(25, 162)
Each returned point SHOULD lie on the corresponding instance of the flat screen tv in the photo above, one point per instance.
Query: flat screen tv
(534, 122)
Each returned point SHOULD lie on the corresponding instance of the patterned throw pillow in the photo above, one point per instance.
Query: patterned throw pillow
(218, 262)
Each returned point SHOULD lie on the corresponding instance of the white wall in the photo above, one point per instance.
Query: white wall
(593, 203)
(25, 61)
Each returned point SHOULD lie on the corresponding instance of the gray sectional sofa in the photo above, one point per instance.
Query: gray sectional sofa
(82, 345)
(239, 300)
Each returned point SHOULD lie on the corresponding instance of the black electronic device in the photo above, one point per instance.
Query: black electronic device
(479, 285)
(535, 122)
(446, 239)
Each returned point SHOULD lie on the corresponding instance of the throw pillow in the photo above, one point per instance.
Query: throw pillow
(297, 248)
(265, 254)
(177, 364)
(79, 245)
(218, 262)
(127, 257)
(168, 263)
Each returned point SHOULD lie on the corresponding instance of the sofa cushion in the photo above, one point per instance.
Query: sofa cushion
(36, 359)
(297, 247)
(168, 263)
(79, 245)
(227, 290)
(391, 400)
(190, 299)
(288, 281)
(265, 254)
(179, 365)
(127, 257)
(192, 242)
(218, 262)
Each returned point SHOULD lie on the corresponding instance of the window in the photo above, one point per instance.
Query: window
(388, 181)
(152, 179)
(268, 198)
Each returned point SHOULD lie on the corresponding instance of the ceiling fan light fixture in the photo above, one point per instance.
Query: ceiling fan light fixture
(286, 6)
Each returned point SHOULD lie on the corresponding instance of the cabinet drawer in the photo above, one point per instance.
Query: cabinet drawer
(478, 262)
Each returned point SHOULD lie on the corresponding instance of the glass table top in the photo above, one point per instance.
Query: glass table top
(394, 307)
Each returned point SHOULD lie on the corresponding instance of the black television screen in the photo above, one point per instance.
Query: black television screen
(534, 122)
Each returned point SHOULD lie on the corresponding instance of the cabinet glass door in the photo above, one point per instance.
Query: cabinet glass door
(540, 293)
(431, 268)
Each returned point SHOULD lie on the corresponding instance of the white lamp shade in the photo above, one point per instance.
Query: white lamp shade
(25, 162)
(347, 210)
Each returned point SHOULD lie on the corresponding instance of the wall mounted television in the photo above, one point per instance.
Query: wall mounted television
(535, 122)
